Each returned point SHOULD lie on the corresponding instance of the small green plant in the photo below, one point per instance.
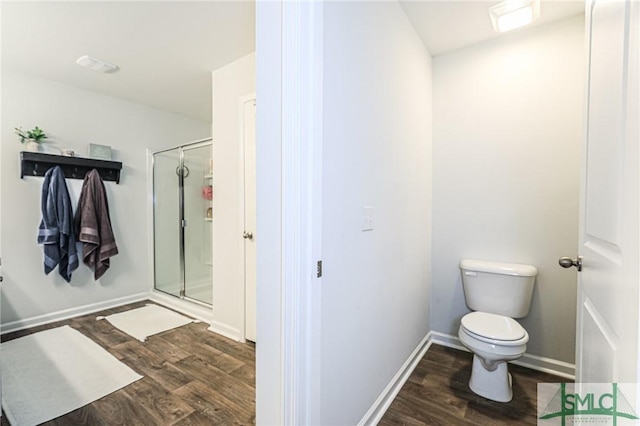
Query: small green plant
(36, 134)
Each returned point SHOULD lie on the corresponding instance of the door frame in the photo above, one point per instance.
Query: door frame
(241, 219)
(289, 206)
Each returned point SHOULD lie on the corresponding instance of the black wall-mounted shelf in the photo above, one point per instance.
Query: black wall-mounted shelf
(37, 164)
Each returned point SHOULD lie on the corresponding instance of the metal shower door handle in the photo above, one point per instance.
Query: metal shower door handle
(567, 262)
(185, 171)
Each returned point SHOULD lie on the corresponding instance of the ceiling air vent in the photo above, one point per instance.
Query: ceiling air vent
(96, 64)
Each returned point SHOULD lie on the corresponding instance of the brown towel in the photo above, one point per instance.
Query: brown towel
(93, 225)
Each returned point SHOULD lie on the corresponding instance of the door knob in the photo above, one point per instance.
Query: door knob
(567, 262)
(247, 235)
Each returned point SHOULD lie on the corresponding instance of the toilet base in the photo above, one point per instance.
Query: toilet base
(494, 385)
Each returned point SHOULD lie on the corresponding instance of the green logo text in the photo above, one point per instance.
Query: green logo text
(584, 406)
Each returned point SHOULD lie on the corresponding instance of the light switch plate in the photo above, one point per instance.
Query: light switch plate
(367, 218)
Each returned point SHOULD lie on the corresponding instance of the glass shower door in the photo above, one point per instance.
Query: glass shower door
(182, 213)
(166, 222)
(198, 212)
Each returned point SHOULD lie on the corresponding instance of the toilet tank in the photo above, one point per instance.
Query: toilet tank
(498, 287)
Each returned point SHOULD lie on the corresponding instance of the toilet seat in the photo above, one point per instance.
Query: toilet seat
(494, 329)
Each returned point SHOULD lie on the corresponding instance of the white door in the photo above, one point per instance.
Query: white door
(607, 323)
(249, 141)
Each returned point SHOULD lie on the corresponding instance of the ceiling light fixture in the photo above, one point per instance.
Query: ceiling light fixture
(511, 14)
(96, 64)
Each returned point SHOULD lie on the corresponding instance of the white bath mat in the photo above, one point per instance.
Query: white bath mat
(53, 372)
(147, 321)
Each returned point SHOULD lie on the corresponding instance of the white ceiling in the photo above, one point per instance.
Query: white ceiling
(166, 50)
(445, 26)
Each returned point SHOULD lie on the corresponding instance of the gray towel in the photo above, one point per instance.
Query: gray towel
(56, 230)
(94, 226)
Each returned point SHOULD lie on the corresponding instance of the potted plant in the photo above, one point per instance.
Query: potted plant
(31, 138)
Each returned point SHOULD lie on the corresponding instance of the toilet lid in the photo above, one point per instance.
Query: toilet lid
(492, 326)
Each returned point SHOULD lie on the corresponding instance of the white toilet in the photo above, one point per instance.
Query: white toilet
(497, 292)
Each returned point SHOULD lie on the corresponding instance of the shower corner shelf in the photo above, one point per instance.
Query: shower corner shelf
(37, 164)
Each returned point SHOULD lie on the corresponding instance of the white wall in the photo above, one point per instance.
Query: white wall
(507, 135)
(376, 152)
(73, 118)
(230, 83)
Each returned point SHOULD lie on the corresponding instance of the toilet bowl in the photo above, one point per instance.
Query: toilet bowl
(494, 340)
(497, 292)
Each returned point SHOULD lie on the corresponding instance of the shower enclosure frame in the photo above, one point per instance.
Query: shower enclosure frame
(181, 221)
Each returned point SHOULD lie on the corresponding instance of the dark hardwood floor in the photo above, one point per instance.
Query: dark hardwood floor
(195, 377)
(191, 377)
(437, 393)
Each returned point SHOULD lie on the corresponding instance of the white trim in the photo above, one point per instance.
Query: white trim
(301, 209)
(534, 362)
(447, 340)
(150, 224)
(288, 124)
(71, 313)
(1, 206)
(242, 302)
(226, 331)
(269, 367)
(192, 309)
(382, 403)
(547, 365)
(291, 257)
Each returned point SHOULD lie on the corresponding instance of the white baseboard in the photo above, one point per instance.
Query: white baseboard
(548, 365)
(70, 313)
(202, 313)
(382, 403)
(196, 311)
(534, 362)
(226, 331)
(188, 308)
(447, 340)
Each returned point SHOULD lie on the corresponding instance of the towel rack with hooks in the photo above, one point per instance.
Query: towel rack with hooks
(37, 164)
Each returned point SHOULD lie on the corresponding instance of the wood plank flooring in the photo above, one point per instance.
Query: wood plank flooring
(195, 377)
(191, 377)
(437, 393)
